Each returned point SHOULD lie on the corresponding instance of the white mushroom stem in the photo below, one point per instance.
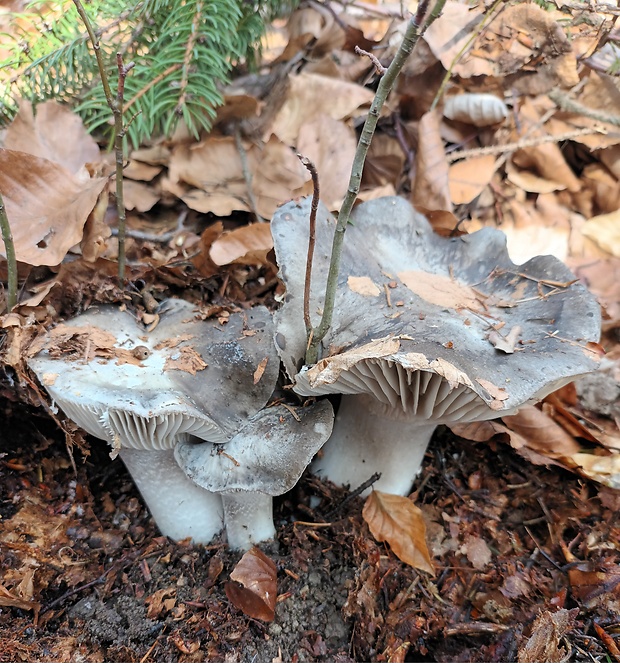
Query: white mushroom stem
(180, 508)
(369, 438)
(249, 518)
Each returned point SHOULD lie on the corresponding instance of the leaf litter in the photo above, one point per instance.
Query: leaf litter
(522, 542)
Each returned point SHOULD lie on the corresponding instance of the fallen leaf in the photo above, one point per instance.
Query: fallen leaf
(431, 187)
(184, 646)
(605, 231)
(505, 343)
(311, 95)
(477, 551)
(55, 133)
(253, 589)
(363, 285)
(260, 369)
(398, 521)
(138, 196)
(46, 205)
(548, 631)
(242, 245)
(467, 178)
(440, 290)
(11, 601)
(157, 602)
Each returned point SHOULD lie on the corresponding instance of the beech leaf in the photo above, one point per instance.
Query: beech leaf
(254, 589)
(398, 521)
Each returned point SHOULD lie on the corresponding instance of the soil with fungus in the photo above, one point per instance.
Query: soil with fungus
(510, 541)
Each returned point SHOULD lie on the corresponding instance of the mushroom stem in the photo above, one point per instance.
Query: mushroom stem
(180, 508)
(368, 439)
(249, 518)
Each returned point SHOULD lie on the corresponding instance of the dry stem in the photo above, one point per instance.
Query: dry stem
(311, 242)
(11, 261)
(116, 106)
(415, 29)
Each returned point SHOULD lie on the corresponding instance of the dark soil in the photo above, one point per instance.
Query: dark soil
(510, 541)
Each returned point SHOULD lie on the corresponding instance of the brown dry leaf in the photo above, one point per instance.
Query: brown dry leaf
(254, 589)
(548, 632)
(138, 196)
(468, 178)
(604, 186)
(202, 262)
(158, 602)
(531, 182)
(398, 521)
(384, 163)
(185, 359)
(605, 231)
(477, 551)
(431, 188)
(548, 160)
(312, 95)
(505, 343)
(363, 285)
(542, 434)
(260, 369)
(96, 230)
(138, 170)
(330, 144)
(448, 34)
(604, 469)
(11, 601)
(246, 245)
(46, 205)
(215, 167)
(440, 290)
(55, 133)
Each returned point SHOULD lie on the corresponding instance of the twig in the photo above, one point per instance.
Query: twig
(247, 175)
(353, 494)
(520, 144)
(379, 68)
(116, 106)
(11, 260)
(474, 35)
(311, 242)
(171, 69)
(571, 106)
(415, 29)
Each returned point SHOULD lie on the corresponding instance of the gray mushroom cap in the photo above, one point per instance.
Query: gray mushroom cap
(187, 376)
(411, 305)
(267, 456)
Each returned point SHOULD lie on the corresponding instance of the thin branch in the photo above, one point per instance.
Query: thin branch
(569, 105)
(379, 68)
(520, 144)
(11, 261)
(311, 242)
(474, 35)
(410, 39)
(116, 106)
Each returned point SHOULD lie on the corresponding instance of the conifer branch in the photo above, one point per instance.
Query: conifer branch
(11, 260)
(188, 57)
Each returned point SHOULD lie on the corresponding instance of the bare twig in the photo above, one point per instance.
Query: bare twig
(379, 68)
(171, 69)
(571, 106)
(520, 144)
(311, 241)
(416, 27)
(189, 48)
(116, 106)
(11, 261)
(353, 494)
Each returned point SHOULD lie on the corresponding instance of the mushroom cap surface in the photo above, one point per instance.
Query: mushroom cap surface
(267, 456)
(144, 389)
(416, 312)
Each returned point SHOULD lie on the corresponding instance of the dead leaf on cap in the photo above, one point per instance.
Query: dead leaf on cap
(185, 359)
(398, 521)
(505, 343)
(498, 393)
(253, 588)
(363, 285)
(260, 369)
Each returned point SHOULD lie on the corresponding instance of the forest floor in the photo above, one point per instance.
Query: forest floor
(521, 520)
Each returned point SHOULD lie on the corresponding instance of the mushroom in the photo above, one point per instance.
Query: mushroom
(265, 458)
(426, 330)
(144, 392)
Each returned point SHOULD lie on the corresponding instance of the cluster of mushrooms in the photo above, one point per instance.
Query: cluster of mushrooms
(427, 330)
